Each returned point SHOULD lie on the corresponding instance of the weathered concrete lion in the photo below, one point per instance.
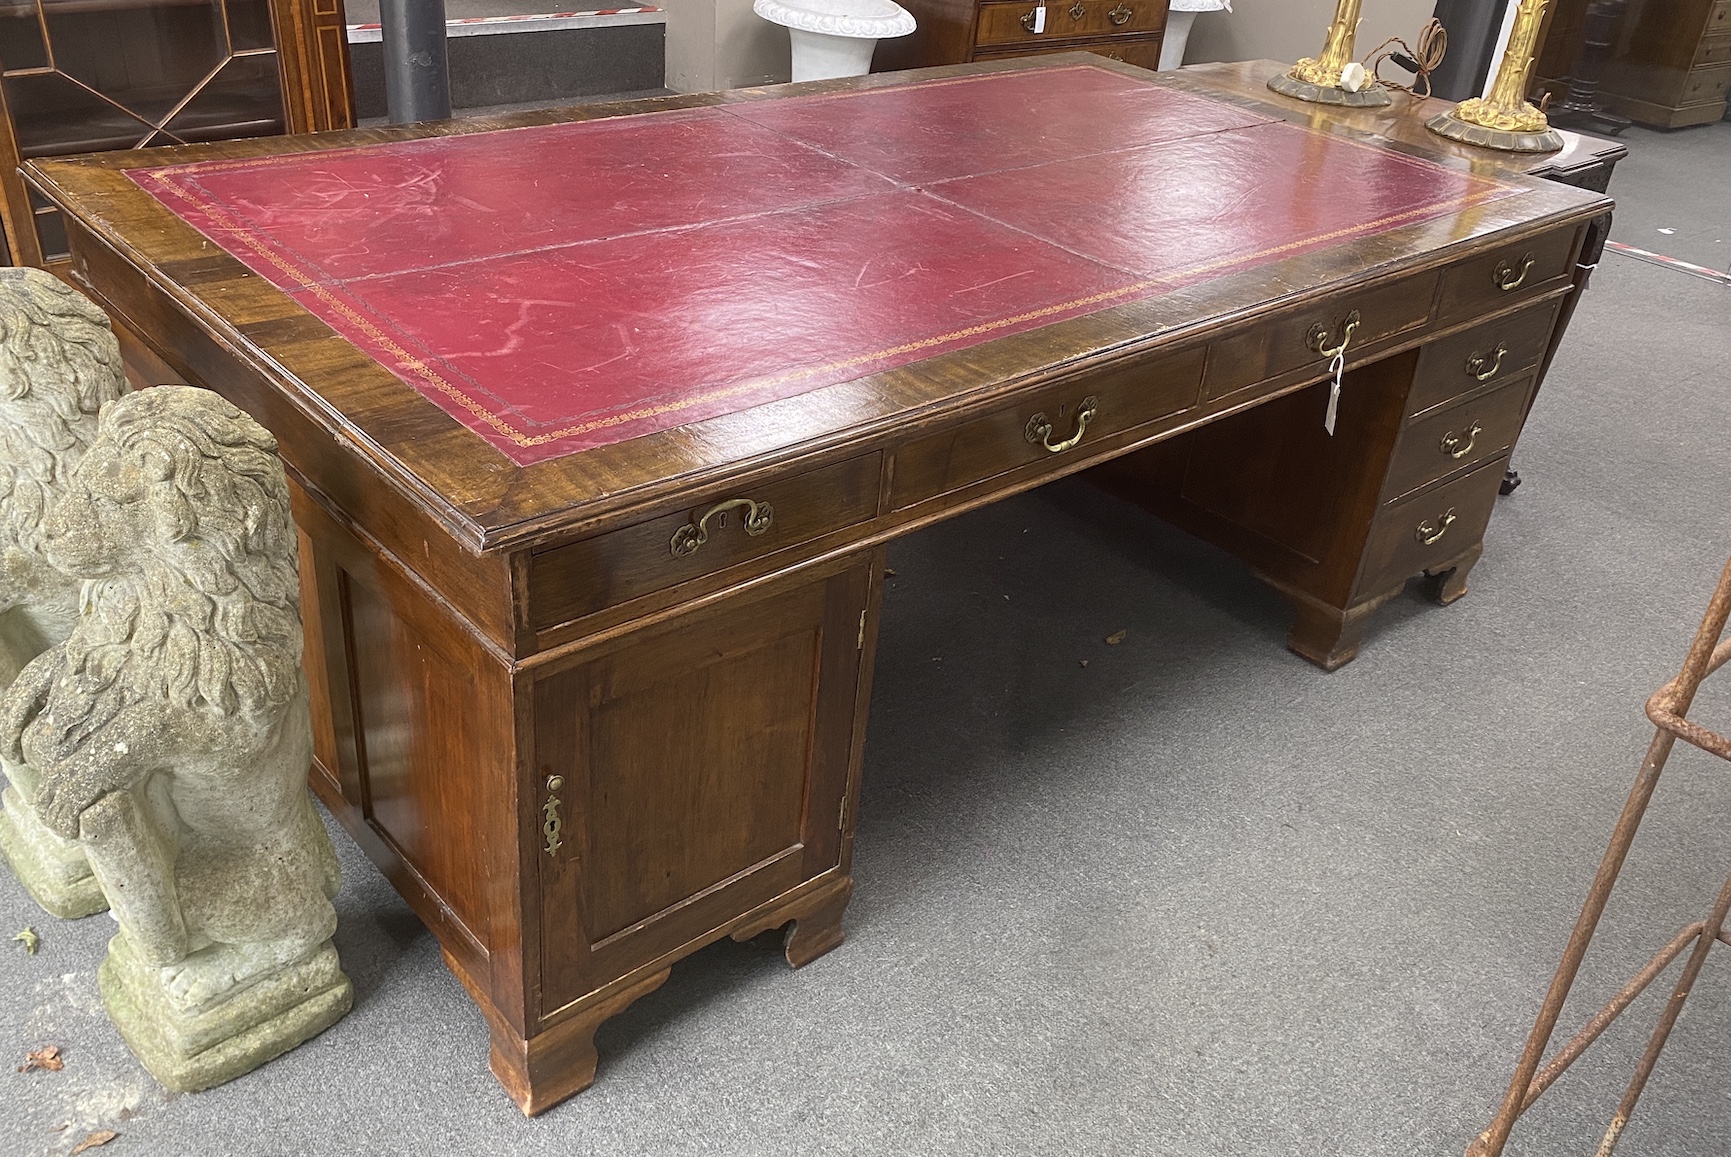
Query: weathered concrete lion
(171, 735)
(59, 363)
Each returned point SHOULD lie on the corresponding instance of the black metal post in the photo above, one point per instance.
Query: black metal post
(1473, 27)
(1581, 108)
(417, 72)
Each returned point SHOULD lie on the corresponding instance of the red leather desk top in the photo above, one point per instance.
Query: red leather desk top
(566, 286)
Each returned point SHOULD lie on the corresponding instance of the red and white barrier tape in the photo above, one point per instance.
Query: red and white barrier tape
(1681, 266)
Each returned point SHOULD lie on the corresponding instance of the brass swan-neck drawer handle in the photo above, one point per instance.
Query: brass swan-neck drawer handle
(1039, 429)
(692, 535)
(1318, 338)
(1454, 447)
(1430, 533)
(1029, 18)
(1508, 277)
(1120, 15)
(1484, 368)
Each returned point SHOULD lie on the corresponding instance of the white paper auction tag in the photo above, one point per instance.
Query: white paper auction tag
(1039, 20)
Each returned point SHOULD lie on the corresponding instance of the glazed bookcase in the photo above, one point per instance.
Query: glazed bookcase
(81, 76)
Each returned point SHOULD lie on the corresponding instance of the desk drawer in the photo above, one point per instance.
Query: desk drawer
(1283, 345)
(1142, 51)
(1506, 275)
(1430, 529)
(1713, 50)
(1045, 427)
(1493, 352)
(1705, 85)
(592, 574)
(1457, 436)
(1010, 23)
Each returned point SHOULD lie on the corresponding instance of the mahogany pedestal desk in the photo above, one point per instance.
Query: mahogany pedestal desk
(598, 423)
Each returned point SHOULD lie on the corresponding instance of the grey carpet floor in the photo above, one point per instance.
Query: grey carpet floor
(1193, 898)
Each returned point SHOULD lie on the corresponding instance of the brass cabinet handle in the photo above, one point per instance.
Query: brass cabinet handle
(1078, 10)
(1120, 15)
(1484, 369)
(692, 535)
(1430, 533)
(1039, 429)
(1028, 19)
(1455, 448)
(552, 826)
(1508, 277)
(1318, 338)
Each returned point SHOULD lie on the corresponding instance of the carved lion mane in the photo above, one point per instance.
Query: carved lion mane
(59, 363)
(203, 611)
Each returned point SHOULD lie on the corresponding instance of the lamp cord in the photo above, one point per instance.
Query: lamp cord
(1433, 42)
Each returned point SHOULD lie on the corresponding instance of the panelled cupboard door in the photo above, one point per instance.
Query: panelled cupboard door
(699, 769)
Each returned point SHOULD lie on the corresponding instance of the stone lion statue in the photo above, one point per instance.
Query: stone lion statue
(170, 732)
(59, 363)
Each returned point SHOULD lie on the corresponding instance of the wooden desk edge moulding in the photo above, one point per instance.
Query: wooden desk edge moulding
(581, 755)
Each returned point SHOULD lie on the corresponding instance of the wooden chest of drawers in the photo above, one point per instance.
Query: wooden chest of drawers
(957, 31)
(1670, 62)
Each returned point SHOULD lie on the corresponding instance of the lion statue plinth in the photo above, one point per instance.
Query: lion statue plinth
(171, 736)
(59, 363)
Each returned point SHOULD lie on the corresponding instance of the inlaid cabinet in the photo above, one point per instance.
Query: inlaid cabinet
(957, 31)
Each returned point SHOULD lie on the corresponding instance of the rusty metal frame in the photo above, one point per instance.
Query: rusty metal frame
(1668, 709)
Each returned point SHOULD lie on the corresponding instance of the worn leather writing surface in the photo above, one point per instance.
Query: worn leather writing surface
(566, 286)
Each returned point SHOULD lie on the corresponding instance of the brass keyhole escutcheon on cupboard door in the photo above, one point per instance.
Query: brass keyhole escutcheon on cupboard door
(1078, 10)
(553, 825)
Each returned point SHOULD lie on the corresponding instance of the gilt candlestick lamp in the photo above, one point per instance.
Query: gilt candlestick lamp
(1505, 119)
(1334, 77)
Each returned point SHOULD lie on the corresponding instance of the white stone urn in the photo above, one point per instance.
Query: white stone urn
(834, 38)
(1179, 18)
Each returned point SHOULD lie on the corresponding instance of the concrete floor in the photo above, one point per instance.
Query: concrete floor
(1194, 898)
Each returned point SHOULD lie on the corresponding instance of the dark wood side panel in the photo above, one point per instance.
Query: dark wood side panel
(409, 741)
